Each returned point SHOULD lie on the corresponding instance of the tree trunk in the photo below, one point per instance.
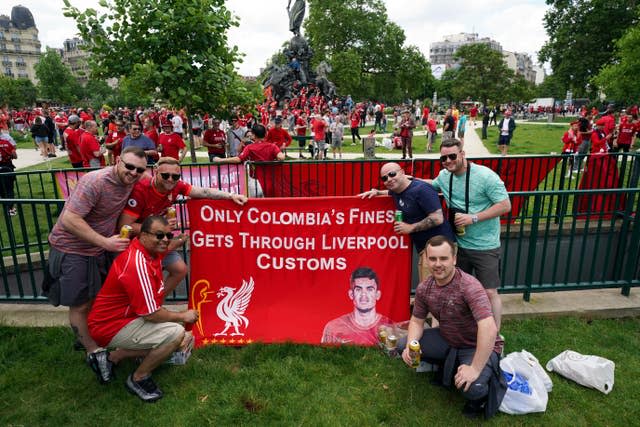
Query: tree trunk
(192, 147)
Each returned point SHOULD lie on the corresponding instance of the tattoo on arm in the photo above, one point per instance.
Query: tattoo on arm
(425, 224)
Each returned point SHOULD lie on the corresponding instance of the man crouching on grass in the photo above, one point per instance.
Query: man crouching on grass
(128, 316)
(465, 346)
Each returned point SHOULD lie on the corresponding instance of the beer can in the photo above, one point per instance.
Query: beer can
(398, 216)
(414, 353)
(460, 230)
(171, 212)
(392, 342)
(125, 231)
(382, 335)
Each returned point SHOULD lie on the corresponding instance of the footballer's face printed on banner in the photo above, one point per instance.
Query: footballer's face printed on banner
(364, 293)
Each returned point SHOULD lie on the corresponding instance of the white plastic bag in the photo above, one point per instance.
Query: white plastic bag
(387, 143)
(527, 384)
(589, 371)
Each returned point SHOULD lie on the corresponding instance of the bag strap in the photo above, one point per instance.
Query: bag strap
(466, 188)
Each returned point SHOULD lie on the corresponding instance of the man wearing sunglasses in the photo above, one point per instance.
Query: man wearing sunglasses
(83, 242)
(128, 316)
(479, 197)
(154, 195)
(420, 206)
(138, 139)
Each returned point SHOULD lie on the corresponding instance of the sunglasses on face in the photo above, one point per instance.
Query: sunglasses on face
(132, 129)
(391, 174)
(451, 156)
(166, 176)
(131, 167)
(160, 235)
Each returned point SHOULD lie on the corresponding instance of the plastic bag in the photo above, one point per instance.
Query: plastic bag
(589, 371)
(527, 384)
(386, 142)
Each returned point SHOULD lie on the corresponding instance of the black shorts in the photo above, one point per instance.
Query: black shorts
(504, 140)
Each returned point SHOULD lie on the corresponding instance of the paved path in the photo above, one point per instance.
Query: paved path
(601, 303)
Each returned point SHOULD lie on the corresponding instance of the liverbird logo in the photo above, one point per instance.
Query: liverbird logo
(233, 305)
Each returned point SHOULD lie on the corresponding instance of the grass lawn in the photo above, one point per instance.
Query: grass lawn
(527, 139)
(43, 382)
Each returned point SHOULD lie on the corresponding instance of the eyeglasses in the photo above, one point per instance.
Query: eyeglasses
(136, 128)
(451, 156)
(160, 235)
(131, 167)
(166, 175)
(391, 174)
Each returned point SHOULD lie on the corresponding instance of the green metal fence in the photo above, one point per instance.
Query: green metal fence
(549, 244)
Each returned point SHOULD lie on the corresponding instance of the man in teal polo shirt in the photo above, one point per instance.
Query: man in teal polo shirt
(476, 197)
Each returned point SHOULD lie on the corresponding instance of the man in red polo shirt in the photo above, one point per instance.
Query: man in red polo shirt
(170, 144)
(150, 130)
(113, 142)
(277, 135)
(215, 139)
(259, 151)
(153, 196)
(90, 149)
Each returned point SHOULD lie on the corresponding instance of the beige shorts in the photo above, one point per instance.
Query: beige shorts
(140, 334)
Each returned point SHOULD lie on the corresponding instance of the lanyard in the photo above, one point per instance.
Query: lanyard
(466, 188)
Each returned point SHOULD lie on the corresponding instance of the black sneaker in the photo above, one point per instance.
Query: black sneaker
(473, 408)
(145, 389)
(99, 362)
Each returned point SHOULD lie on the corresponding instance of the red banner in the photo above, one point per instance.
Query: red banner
(350, 178)
(279, 270)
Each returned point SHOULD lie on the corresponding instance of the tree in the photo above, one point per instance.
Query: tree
(521, 90)
(364, 48)
(582, 34)
(174, 49)
(619, 80)
(55, 81)
(414, 75)
(483, 74)
(445, 85)
(551, 87)
(17, 93)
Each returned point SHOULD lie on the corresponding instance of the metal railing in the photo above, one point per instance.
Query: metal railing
(557, 239)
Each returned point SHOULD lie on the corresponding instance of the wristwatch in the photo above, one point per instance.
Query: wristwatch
(474, 219)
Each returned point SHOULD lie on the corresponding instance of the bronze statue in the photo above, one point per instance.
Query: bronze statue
(296, 15)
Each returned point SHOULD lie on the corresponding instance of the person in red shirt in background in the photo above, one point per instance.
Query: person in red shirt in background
(4, 118)
(61, 123)
(425, 115)
(85, 116)
(7, 180)
(473, 114)
(113, 142)
(150, 131)
(626, 131)
(432, 127)
(301, 130)
(90, 149)
(71, 138)
(170, 144)
(318, 127)
(258, 151)
(570, 141)
(355, 126)
(278, 135)
(215, 139)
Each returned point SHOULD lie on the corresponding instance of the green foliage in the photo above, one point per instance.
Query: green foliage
(521, 90)
(55, 81)
(551, 87)
(483, 75)
(17, 93)
(174, 49)
(292, 385)
(582, 35)
(366, 51)
(619, 80)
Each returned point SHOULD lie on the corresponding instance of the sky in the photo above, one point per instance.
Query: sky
(515, 24)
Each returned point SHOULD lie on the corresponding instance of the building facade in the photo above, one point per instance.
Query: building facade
(76, 59)
(441, 54)
(19, 44)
